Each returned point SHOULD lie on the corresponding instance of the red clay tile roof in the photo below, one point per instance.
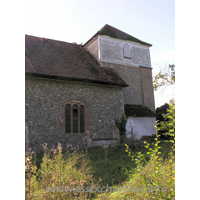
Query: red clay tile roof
(116, 33)
(60, 60)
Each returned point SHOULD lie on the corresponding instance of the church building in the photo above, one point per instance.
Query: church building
(73, 91)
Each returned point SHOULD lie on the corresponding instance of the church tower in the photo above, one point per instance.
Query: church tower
(130, 57)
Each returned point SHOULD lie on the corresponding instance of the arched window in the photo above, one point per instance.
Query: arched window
(75, 117)
(127, 51)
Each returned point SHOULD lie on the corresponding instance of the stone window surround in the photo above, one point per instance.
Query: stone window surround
(78, 103)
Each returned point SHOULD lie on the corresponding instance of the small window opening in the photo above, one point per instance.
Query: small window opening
(127, 50)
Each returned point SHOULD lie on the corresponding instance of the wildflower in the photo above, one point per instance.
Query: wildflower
(27, 159)
(81, 181)
(72, 183)
(59, 147)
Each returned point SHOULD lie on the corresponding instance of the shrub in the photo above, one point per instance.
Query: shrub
(152, 178)
(160, 111)
(162, 114)
(121, 125)
(58, 177)
(152, 173)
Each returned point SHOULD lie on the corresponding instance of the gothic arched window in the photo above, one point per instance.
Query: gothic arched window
(75, 117)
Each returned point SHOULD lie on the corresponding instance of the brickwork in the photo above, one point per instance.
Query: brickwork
(147, 84)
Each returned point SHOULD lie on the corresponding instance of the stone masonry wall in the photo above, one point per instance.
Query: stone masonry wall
(45, 101)
(131, 75)
(139, 79)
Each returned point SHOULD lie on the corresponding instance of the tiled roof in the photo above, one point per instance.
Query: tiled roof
(116, 33)
(60, 60)
(138, 111)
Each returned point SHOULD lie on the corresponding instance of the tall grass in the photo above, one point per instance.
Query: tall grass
(58, 177)
(153, 177)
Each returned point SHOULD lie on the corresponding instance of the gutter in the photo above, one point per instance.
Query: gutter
(75, 79)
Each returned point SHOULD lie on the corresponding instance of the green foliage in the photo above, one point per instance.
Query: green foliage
(164, 77)
(57, 171)
(160, 111)
(121, 125)
(154, 176)
(110, 164)
(151, 169)
(164, 114)
(168, 125)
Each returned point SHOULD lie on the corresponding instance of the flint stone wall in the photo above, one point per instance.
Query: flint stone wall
(132, 93)
(45, 102)
(139, 79)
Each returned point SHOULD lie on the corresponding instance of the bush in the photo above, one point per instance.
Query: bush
(152, 174)
(160, 111)
(152, 178)
(121, 125)
(164, 117)
(58, 177)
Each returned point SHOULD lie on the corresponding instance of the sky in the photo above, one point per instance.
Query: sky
(77, 21)
(152, 21)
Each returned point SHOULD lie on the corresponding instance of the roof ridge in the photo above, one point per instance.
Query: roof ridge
(116, 33)
(54, 40)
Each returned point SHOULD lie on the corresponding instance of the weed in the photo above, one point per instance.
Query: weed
(58, 172)
(154, 177)
(121, 125)
(149, 174)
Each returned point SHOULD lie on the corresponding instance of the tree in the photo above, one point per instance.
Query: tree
(169, 119)
(160, 111)
(165, 116)
(165, 77)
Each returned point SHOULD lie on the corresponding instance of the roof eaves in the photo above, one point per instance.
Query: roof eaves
(138, 111)
(76, 79)
(129, 38)
(145, 67)
(91, 38)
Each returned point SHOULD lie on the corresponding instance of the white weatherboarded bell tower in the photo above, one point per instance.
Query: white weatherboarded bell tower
(130, 58)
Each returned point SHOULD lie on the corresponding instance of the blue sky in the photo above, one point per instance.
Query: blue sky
(76, 21)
